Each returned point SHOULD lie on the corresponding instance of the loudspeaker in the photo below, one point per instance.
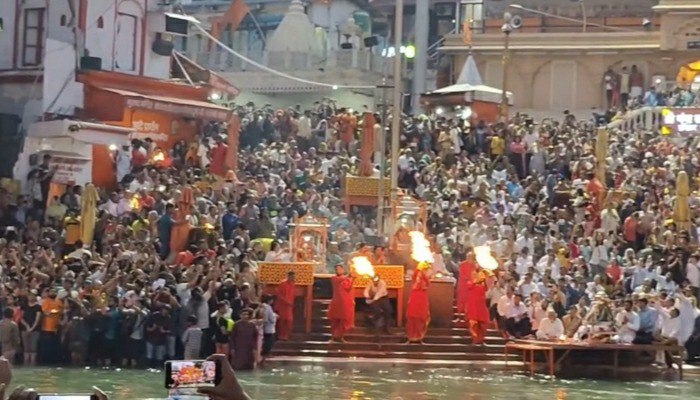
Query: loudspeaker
(176, 26)
(371, 41)
(162, 47)
(346, 46)
(88, 63)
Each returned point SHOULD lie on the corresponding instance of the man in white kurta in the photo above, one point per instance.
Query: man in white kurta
(551, 327)
(627, 324)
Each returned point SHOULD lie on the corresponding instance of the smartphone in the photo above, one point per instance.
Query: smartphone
(67, 397)
(192, 373)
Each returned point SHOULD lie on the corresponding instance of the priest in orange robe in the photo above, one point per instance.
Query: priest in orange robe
(284, 306)
(466, 268)
(477, 312)
(418, 307)
(341, 311)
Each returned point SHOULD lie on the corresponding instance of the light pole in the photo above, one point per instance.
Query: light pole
(396, 111)
(583, 14)
(507, 28)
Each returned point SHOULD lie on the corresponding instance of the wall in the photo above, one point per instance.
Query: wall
(102, 38)
(156, 66)
(559, 81)
(13, 96)
(344, 98)
(7, 13)
(165, 129)
(61, 94)
(331, 16)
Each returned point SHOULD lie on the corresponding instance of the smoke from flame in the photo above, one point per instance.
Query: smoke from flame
(362, 266)
(420, 248)
(484, 258)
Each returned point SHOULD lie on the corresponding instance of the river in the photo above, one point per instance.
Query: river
(363, 382)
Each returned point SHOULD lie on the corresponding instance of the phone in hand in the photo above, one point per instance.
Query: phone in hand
(192, 374)
(67, 397)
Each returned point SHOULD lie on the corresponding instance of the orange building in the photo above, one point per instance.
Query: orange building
(164, 111)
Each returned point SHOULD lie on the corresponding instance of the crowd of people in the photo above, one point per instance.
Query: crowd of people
(170, 268)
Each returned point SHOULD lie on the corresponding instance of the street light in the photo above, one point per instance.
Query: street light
(506, 28)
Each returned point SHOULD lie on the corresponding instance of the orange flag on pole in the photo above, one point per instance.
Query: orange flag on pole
(232, 18)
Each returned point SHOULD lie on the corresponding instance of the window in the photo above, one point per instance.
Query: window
(33, 38)
(126, 43)
(473, 10)
(100, 23)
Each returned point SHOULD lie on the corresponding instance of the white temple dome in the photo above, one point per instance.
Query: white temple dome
(295, 33)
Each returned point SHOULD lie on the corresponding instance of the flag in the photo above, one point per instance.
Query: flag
(467, 31)
(232, 18)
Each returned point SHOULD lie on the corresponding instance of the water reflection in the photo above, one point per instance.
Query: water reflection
(340, 382)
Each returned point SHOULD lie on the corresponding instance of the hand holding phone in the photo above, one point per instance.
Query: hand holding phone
(228, 388)
(192, 373)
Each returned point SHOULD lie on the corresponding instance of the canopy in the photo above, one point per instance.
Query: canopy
(473, 93)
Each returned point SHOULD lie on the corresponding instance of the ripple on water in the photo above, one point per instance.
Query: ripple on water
(319, 382)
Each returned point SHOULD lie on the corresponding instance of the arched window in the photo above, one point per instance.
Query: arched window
(100, 23)
(63, 20)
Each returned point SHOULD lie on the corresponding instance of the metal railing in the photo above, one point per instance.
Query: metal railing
(351, 59)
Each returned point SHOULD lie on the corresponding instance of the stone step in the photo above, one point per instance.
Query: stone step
(398, 336)
(432, 331)
(426, 355)
(390, 347)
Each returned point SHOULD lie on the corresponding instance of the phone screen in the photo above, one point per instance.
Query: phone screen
(191, 373)
(65, 397)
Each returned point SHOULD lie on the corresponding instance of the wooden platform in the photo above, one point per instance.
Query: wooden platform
(556, 353)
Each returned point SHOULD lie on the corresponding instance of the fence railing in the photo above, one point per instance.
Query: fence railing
(351, 59)
(645, 118)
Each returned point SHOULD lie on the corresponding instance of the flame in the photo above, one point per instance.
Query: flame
(484, 258)
(135, 205)
(158, 156)
(362, 266)
(420, 248)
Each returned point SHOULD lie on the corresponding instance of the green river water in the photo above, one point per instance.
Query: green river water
(365, 382)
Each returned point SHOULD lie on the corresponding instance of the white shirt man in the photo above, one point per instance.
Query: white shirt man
(527, 286)
(456, 137)
(516, 311)
(627, 324)
(609, 220)
(405, 160)
(522, 263)
(530, 138)
(536, 312)
(524, 240)
(693, 272)
(123, 163)
(551, 327)
(549, 262)
(504, 303)
(304, 127)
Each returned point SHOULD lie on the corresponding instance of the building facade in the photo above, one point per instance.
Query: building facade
(316, 41)
(104, 61)
(555, 64)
